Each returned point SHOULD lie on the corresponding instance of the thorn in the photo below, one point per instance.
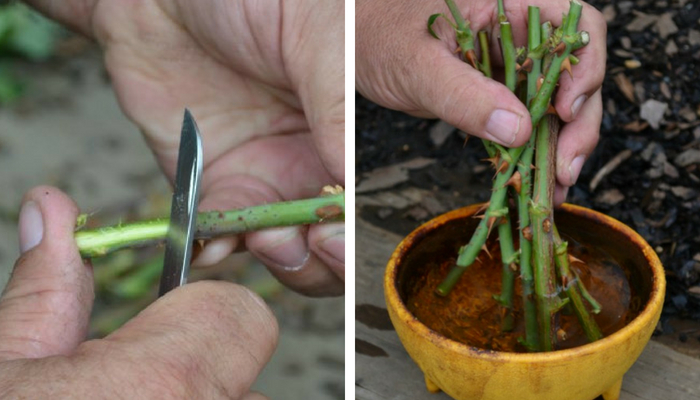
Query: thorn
(479, 260)
(565, 281)
(566, 66)
(551, 110)
(513, 267)
(559, 49)
(327, 190)
(493, 160)
(515, 181)
(527, 65)
(527, 233)
(466, 139)
(573, 259)
(478, 216)
(502, 167)
(482, 208)
(457, 50)
(486, 249)
(491, 222)
(470, 56)
(540, 82)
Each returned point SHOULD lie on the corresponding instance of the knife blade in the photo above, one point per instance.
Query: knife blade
(183, 210)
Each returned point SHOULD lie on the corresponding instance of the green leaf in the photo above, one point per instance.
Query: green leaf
(26, 33)
(432, 20)
(10, 89)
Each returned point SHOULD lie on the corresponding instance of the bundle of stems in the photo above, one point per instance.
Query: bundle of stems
(328, 207)
(542, 260)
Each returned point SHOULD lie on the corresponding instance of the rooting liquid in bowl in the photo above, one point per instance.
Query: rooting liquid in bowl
(470, 315)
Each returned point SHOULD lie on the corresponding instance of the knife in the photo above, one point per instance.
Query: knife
(183, 210)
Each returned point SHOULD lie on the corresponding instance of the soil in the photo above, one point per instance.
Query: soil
(651, 125)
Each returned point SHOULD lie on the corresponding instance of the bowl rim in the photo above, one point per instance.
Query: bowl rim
(648, 314)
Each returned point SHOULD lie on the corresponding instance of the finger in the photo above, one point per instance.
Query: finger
(578, 139)
(328, 242)
(230, 193)
(465, 98)
(323, 99)
(286, 253)
(215, 250)
(316, 67)
(328, 131)
(560, 193)
(46, 305)
(254, 396)
(589, 73)
(203, 340)
(76, 14)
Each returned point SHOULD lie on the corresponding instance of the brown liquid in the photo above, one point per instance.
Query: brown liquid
(470, 315)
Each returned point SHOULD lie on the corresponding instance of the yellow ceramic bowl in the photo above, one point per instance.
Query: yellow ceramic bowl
(581, 373)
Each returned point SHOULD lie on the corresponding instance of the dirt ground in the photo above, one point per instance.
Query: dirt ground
(68, 131)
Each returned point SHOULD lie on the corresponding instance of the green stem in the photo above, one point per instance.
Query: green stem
(509, 61)
(509, 261)
(468, 253)
(534, 39)
(571, 286)
(542, 226)
(101, 241)
(462, 24)
(465, 37)
(595, 306)
(541, 101)
(505, 234)
(485, 54)
(501, 11)
(531, 340)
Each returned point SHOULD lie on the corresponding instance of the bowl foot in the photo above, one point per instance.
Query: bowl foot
(431, 386)
(613, 392)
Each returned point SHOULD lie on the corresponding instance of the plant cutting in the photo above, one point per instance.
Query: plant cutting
(328, 207)
(538, 66)
(533, 286)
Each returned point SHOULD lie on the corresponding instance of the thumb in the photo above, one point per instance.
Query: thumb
(45, 308)
(317, 72)
(203, 340)
(466, 99)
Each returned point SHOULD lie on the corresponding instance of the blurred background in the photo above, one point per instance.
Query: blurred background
(60, 125)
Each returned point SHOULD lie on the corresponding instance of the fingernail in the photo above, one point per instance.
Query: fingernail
(577, 105)
(31, 226)
(286, 249)
(560, 195)
(334, 245)
(575, 168)
(504, 126)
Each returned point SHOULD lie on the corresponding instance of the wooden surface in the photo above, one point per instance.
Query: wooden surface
(383, 369)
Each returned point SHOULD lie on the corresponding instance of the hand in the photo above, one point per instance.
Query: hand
(400, 66)
(265, 81)
(203, 340)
